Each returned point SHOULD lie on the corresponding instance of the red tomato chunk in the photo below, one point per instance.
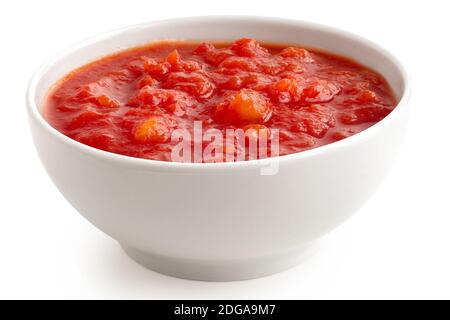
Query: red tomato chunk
(132, 102)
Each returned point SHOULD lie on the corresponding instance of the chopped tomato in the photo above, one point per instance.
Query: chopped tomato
(246, 106)
(153, 130)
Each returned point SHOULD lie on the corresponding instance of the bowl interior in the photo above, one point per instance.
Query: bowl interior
(224, 29)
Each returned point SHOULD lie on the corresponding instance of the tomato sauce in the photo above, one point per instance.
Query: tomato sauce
(131, 102)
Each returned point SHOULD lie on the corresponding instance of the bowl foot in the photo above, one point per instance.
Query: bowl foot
(230, 270)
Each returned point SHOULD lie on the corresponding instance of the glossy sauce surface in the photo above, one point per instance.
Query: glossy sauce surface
(131, 102)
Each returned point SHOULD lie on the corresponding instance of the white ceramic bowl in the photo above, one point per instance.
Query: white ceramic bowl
(220, 221)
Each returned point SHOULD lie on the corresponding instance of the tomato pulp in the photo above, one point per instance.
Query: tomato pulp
(132, 102)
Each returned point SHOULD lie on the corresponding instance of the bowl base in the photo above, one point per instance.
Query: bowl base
(232, 270)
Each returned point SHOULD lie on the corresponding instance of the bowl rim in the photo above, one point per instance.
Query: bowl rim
(169, 166)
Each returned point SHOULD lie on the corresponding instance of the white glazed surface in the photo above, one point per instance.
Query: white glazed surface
(220, 221)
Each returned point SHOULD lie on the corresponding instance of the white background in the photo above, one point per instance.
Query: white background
(397, 246)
